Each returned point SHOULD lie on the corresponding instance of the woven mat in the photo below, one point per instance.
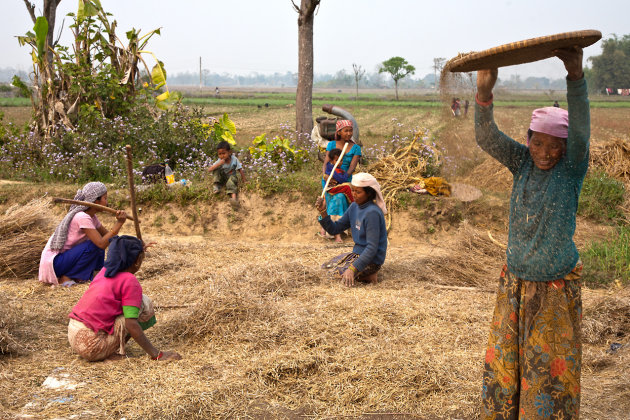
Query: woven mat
(520, 52)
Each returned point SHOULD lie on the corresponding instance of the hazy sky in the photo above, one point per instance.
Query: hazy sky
(244, 36)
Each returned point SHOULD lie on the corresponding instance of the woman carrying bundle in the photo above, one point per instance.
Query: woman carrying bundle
(534, 354)
(365, 217)
(113, 309)
(77, 248)
(337, 195)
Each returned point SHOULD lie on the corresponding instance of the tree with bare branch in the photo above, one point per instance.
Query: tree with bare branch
(304, 95)
(359, 72)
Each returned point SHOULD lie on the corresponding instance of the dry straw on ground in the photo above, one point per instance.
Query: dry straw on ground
(24, 231)
(265, 333)
(9, 320)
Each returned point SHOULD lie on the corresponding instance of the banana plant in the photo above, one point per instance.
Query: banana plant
(224, 129)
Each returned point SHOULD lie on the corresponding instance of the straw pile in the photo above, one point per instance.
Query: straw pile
(239, 298)
(474, 260)
(613, 156)
(403, 169)
(24, 231)
(608, 319)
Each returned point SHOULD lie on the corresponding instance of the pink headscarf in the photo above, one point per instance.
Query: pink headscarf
(343, 123)
(550, 120)
(363, 179)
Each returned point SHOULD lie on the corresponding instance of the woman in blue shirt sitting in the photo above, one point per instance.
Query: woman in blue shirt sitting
(365, 217)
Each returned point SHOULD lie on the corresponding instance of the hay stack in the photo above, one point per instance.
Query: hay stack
(240, 298)
(614, 157)
(475, 260)
(24, 231)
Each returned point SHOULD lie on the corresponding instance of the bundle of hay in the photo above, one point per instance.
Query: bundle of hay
(403, 169)
(24, 231)
(614, 157)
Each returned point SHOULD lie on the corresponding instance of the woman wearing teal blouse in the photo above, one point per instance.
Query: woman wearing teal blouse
(336, 200)
(534, 354)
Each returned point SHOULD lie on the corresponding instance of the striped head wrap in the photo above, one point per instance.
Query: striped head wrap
(90, 192)
(343, 123)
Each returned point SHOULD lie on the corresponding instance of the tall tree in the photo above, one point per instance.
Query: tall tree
(611, 69)
(304, 94)
(398, 67)
(359, 72)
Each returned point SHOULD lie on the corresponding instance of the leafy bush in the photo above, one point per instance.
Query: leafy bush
(273, 164)
(601, 197)
(94, 149)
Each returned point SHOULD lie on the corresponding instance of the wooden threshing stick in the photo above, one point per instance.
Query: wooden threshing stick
(334, 167)
(132, 192)
(88, 204)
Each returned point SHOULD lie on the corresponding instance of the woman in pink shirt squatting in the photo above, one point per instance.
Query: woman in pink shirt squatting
(113, 309)
(77, 248)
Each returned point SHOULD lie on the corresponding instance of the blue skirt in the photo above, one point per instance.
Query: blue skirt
(80, 262)
(337, 204)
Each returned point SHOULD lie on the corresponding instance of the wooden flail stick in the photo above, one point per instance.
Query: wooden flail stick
(88, 204)
(132, 192)
(343, 151)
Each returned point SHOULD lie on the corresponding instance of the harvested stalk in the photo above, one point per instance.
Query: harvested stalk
(87, 204)
(402, 169)
(24, 231)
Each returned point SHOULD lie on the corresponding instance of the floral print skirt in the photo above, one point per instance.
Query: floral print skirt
(534, 354)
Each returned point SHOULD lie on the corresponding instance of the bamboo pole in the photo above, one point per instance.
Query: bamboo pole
(132, 192)
(88, 204)
(343, 151)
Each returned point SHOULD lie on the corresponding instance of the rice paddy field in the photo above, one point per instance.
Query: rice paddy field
(265, 333)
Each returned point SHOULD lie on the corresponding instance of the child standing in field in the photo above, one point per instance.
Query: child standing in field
(534, 354)
(225, 171)
(113, 308)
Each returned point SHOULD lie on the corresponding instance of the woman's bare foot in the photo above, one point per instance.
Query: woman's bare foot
(338, 239)
(372, 278)
(66, 281)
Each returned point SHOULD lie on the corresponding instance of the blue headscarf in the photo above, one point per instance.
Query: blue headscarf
(123, 252)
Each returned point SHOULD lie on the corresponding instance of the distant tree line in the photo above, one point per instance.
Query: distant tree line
(611, 69)
(341, 79)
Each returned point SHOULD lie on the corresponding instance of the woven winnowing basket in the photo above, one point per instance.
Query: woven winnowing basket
(520, 52)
